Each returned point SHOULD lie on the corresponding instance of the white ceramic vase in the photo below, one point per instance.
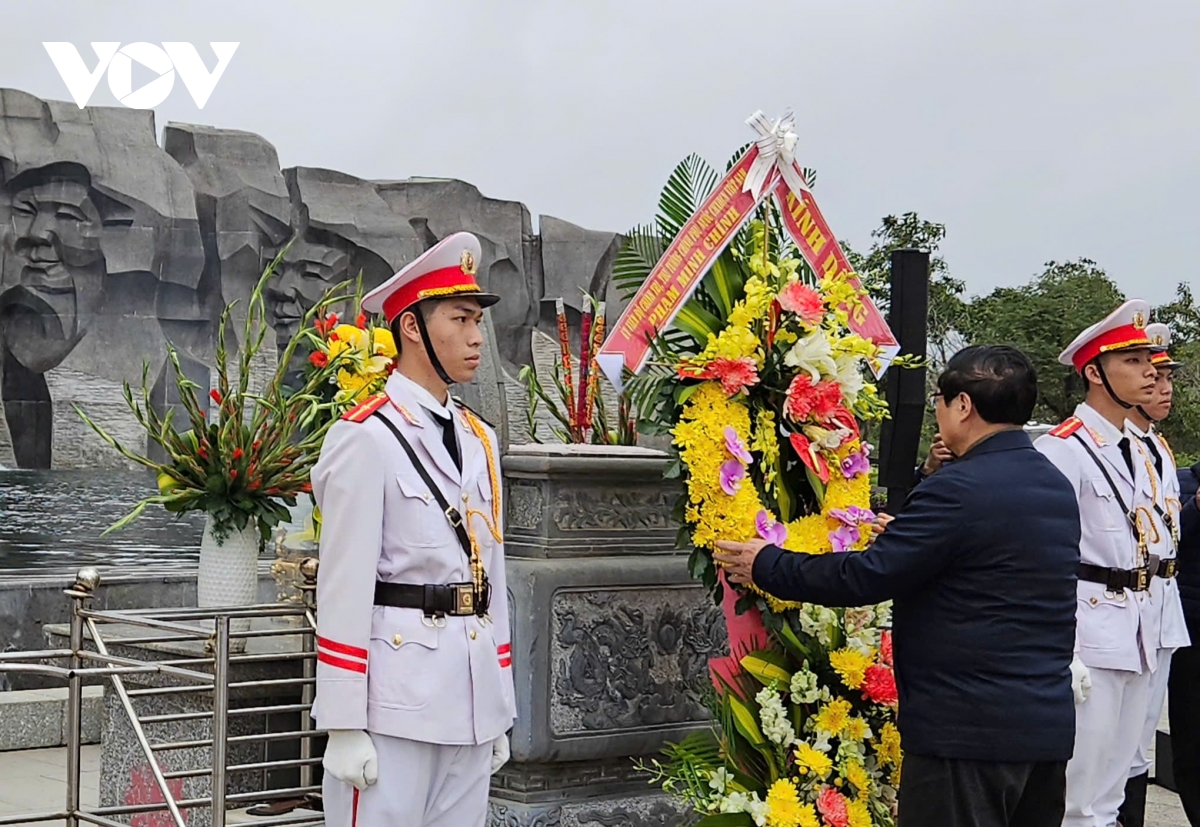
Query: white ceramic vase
(228, 575)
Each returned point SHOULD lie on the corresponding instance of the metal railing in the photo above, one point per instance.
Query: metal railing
(223, 633)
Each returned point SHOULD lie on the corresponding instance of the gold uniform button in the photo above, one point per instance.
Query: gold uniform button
(473, 635)
(1093, 601)
(397, 640)
(465, 498)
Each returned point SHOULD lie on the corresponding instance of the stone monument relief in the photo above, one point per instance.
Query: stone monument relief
(112, 246)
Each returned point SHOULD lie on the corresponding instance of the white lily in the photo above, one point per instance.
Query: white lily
(814, 355)
(849, 376)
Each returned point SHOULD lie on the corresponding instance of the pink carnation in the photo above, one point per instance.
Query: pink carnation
(735, 375)
(832, 806)
(803, 301)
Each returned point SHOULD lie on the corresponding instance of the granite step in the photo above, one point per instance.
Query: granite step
(37, 718)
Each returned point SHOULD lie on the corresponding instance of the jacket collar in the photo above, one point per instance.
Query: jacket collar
(1011, 440)
(407, 395)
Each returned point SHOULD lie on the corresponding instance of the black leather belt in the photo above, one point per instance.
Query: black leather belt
(1137, 580)
(435, 600)
(1168, 568)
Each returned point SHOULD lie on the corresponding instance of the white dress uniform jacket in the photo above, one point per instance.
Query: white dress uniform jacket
(1114, 630)
(392, 671)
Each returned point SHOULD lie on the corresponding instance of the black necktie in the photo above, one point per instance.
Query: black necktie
(1158, 461)
(1127, 452)
(449, 439)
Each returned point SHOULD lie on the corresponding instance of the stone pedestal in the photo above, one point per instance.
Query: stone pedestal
(611, 637)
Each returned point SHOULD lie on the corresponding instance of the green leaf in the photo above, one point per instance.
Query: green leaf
(697, 322)
(724, 284)
(686, 188)
(746, 720)
(768, 667)
(788, 636)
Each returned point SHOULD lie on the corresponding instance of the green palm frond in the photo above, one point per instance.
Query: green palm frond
(641, 250)
(689, 184)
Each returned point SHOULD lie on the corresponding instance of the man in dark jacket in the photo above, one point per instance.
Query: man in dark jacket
(982, 565)
(1183, 693)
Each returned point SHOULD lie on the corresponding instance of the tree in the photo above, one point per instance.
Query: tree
(1042, 318)
(1182, 428)
(945, 292)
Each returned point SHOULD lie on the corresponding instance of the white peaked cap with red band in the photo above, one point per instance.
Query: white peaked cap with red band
(1123, 329)
(1160, 339)
(445, 269)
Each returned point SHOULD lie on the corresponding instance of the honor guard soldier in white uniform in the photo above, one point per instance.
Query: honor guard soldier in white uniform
(1164, 590)
(1117, 627)
(414, 670)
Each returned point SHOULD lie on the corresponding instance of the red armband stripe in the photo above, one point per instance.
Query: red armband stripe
(505, 662)
(341, 648)
(342, 663)
(504, 649)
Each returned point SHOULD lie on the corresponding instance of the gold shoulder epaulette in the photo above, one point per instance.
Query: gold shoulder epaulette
(1067, 428)
(362, 410)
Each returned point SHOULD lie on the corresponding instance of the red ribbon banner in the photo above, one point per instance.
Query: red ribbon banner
(677, 274)
(816, 242)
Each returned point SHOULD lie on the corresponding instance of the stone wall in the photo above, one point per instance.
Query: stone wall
(112, 246)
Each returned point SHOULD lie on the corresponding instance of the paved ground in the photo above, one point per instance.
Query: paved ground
(35, 781)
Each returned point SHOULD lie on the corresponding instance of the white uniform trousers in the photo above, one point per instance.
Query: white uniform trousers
(1158, 696)
(420, 785)
(1108, 729)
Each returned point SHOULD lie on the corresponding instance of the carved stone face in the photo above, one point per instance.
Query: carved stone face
(305, 275)
(54, 271)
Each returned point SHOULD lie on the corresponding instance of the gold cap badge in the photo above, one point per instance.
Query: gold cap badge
(1139, 320)
(468, 263)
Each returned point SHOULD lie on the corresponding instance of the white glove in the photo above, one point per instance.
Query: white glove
(501, 752)
(1081, 681)
(350, 757)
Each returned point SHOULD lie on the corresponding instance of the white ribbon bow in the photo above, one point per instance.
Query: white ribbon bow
(776, 147)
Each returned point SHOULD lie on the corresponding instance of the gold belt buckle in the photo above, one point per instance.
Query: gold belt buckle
(1143, 579)
(464, 600)
(1170, 572)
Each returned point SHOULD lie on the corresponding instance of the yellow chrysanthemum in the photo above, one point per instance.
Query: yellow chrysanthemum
(383, 344)
(894, 780)
(859, 778)
(856, 730)
(813, 760)
(851, 665)
(859, 813)
(784, 808)
(888, 747)
(832, 717)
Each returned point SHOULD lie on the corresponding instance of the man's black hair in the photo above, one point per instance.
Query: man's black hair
(1000, 380)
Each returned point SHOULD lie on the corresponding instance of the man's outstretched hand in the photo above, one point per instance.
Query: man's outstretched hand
(738, 559)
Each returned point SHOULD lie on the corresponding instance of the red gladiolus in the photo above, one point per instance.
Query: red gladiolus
(879, 685)
(253, 486)
(885, 647)
(333, 337)
(215, 395)
(233, 474)
(257, 444)
(237, 454)
(202, 452)
(306, 488)
(318, 359)
(361, 321)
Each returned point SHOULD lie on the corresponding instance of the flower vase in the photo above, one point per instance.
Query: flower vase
(228, 575)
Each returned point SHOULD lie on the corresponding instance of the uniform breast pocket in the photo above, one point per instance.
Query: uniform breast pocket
(420, 519)
(404, 651)
(1104, 510)
(1103, 621)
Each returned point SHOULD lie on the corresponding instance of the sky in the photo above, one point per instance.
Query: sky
(1034, 131)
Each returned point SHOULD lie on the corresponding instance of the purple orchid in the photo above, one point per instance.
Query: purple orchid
(735, 446)
(844, 538)
(855, 465)
(852, 516)
(769, 529)
(732, 474)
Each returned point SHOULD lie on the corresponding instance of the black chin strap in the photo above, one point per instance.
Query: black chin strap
(1107, 386)
(433, 357)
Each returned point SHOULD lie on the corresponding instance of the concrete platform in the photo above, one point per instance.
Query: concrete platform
(34, 781)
